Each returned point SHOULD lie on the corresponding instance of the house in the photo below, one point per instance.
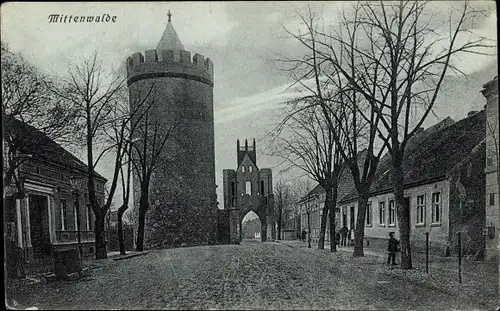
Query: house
(490, 91)
(292, 226)
(311, 207)
(40, 213)
(443, 184)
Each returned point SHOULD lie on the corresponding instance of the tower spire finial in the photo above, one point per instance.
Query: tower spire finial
(169, 16)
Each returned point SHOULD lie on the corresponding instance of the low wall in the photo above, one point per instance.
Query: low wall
(290, 235)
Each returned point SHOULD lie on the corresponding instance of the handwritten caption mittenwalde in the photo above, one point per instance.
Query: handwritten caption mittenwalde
(60, 18)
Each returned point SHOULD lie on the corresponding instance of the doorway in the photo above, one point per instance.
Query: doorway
(251, 227)
(39, 225)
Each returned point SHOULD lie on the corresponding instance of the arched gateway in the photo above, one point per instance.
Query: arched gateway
(248, 188)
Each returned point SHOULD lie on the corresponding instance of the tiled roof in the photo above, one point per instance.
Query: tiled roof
(431, 153)
(36, 143)
(346, 184)
(316, 190)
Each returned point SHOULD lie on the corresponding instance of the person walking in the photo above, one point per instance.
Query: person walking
(343, 233)
(392, 249)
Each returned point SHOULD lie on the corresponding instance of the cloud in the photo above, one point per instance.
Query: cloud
(26, 28)
(244, 106)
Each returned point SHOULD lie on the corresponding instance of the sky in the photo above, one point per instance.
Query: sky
(243, 39)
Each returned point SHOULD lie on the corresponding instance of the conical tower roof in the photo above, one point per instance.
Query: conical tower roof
(169, 40)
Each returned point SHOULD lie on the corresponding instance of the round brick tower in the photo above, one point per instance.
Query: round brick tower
(183, 201)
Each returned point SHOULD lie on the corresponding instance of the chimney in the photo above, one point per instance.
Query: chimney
(471, 113)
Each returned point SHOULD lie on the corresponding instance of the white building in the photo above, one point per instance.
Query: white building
(492, 230)
(442, 186)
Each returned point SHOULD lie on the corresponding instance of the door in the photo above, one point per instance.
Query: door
(39, 225)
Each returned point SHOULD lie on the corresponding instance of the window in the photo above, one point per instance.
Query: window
(250, 168)
(248, 188)
(344, 216)
(492, 199)
(421, 210)
(233, 188)
(262, 192)
(64, 215)
(89, 217)
(242, 169)
(369, 214)
(436, 207)
(381, 210)
(392, 213)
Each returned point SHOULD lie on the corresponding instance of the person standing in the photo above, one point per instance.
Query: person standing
(392, 248)
(343, 233)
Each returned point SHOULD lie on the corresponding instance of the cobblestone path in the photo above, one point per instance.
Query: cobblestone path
(253, 275)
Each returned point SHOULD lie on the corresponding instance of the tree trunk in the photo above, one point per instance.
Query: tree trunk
(143, 206)
(403, 213)
(359, 230)
(11, 171)
(7, 178)
(331, 199)
(121, 243)
(279, 227)
(324, 218)
(100, 237)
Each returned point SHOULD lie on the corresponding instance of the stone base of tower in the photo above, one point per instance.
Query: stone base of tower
(234, 227)
(171, 226)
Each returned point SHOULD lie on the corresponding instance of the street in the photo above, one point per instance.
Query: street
(255, 275)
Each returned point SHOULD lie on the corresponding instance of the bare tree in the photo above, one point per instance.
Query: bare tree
(149, 140)
(122, 132)
(30, 114)
(126, 185)
(94, 95)
(284, 198)
(303, 140)
(400, 63)
(354, 124)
